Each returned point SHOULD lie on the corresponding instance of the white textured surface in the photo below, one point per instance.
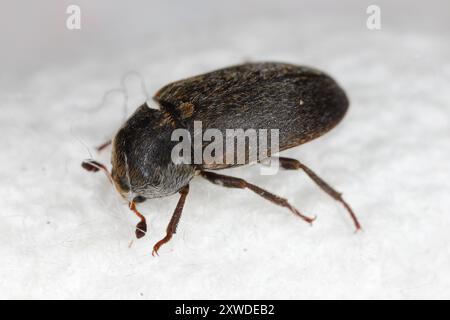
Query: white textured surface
(65, 234)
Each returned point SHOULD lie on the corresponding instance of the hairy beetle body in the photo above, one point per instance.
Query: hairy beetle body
(300, 102)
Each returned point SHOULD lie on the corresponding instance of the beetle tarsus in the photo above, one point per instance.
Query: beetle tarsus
(293, 164)
(310, 220)
(159, 244)
(352, 214)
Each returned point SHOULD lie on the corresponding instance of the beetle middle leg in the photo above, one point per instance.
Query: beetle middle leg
(103, 145)
(232, 182)
(173, 224)
(293, 164)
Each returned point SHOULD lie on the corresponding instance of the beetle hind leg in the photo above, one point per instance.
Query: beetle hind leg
(293, 164)
(232, 182)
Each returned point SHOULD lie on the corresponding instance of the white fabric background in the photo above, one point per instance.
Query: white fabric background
(65, 234)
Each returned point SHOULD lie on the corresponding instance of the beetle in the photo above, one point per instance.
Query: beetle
(302, 102)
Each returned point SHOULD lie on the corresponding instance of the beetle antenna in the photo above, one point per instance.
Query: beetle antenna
(84, 144)
(126, 88)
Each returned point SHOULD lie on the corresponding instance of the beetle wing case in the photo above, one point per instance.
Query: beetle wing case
(301, 102)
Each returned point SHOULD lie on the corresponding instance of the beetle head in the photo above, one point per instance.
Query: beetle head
(141, 161)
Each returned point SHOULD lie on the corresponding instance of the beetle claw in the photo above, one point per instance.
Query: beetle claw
(358, 229)
(306, 218)
(155, 250)
(311, 220)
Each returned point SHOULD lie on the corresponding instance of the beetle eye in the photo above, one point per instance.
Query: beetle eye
(139, 199)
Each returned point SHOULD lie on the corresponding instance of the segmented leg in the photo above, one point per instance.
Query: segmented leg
(141, 227)
(172, 227)
(293, 164)
(94, 166)
(232, 182)
(104, 145)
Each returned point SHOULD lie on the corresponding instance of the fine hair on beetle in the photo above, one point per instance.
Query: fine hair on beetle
(222, 119)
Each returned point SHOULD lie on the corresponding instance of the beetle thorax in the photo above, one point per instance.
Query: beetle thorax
(141, 158)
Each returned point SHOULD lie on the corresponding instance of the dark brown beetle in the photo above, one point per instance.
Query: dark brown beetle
(301, 102)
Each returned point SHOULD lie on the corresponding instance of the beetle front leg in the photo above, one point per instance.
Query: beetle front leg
(141, 227)
(172, 227)
(293, 164)
(94, 166)
(232, 182)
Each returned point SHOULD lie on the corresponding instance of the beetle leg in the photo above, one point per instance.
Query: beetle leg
(232, 182)
(141, 227)
(172, 227)
(94, 166)
(293, 164)
(103, 145)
